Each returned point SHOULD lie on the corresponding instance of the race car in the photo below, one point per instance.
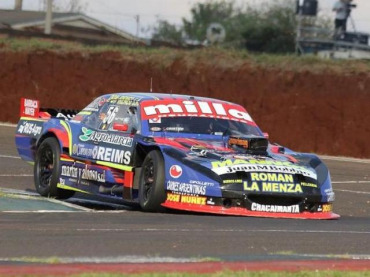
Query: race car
(169, 151)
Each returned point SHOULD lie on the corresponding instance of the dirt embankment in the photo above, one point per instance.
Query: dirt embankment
(326, 112)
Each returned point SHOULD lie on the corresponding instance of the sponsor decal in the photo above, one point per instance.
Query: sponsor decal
(66, 116)
(272, 177)
(174, 129)
(94, 106)
(69, 171)
(166, 108)
(101, 153)
(230, 162)
(232, 166)
(273, 182)
(202, 183)
(294, 209)
(186, 199)
(124, 100)
(93, 175)
(210, 202)
(111, 155)
(200, 150)
(274, 187)
(155, 120)
(29, 128)
(175, 171)
(29, 107)
(111, 114)
(155, 129)
(173, 197)
(304, 184)
(327, 208)
(186, 188)
(81, 150)
(31, 103)
(232, 181)
(94, 136)
(330, 194)
(83, 173)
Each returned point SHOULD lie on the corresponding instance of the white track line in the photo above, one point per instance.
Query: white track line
(116, 259)
(352, 191)
(4, 124)
(9, 157)
(19, 192)
(16, 175)
(62, 211)
(39, 211)
(216, 230)
(350, 182)
(345, 159)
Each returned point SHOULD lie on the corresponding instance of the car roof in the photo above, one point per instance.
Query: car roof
(144, 96)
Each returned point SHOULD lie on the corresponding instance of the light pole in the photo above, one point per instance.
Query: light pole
(48, 17)
(299, 26)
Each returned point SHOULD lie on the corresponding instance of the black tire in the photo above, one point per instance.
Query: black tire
(151, 186)
(47, 170)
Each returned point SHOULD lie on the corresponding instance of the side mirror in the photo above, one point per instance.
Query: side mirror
(266, 135)
(120, 127)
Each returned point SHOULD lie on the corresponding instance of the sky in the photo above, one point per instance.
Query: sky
(122, 14)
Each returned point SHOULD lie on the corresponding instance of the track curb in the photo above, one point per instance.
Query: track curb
(193, 267)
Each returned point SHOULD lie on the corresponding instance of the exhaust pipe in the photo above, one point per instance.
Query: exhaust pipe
(115, 190)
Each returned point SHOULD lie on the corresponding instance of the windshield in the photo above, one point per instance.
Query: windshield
(202, 125)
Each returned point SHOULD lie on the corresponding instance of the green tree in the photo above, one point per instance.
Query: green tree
(272, 30)
(203, 14)
(269, 28)
(165, 31)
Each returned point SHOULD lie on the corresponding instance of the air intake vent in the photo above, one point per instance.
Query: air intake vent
(275, 200)
(254, 145)
(258, 144)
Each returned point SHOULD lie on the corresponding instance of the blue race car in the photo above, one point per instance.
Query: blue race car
(171, 151)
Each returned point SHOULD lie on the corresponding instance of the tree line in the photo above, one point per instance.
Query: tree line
(269, 28)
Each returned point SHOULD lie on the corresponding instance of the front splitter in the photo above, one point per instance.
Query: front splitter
(244, 212)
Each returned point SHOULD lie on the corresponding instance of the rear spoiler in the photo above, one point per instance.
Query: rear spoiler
(31, 108)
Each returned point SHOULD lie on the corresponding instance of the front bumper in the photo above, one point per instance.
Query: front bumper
(200, 204)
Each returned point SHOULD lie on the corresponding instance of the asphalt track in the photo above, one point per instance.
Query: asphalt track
(116, 234)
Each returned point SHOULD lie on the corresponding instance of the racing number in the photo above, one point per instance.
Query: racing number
(111, 114)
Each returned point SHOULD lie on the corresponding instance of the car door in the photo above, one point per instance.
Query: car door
(101, 149)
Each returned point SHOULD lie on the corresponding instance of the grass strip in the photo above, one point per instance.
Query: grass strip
(215, 56)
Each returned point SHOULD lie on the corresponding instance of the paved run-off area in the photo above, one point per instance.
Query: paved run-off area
(69, 233)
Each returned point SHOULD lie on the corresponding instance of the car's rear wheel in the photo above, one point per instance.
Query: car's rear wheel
(47, 170)
(151, 187)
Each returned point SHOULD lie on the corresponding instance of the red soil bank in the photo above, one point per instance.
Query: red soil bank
(326, 113)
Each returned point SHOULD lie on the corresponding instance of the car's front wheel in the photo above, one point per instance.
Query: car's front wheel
(151, 187)
(47, 170)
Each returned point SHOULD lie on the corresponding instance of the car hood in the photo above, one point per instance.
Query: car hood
(223, 161)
